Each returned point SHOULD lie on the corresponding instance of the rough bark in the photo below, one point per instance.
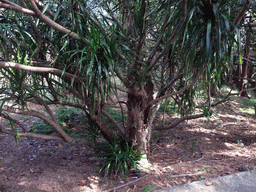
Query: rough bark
(139, 116)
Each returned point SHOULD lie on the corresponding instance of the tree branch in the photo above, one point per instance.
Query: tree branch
(82, 97)
(42, 102)
(50, 70)
(171, 39)
(154, 50)
(27, 134)
(42, 6)
(15, 121)
(164, 89)
(240, 16)
(177, 92)
(53, 24)
(197, 115)
(178, 122)
(15, 7)
(114, 122)
(52, 123)
(94, 21)
(79, 106)
(115, 20)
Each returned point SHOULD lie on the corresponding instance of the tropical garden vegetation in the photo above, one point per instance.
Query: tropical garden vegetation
(137, 56)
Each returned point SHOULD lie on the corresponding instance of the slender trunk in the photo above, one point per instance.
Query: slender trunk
(237, 75)
(243, 82)
(244, 75)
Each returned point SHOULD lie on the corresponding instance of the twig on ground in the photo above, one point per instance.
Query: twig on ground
(113, 189)
(189, 174)
(224, 124)
(199, 159)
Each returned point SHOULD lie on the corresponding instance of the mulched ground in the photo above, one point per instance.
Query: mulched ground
(195, 150)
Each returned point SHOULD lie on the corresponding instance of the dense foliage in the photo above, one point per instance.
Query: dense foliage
(134, 55)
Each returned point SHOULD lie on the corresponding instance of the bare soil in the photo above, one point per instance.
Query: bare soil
(195, 150)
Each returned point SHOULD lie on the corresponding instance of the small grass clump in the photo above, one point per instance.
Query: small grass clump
(149, 188)
(117, 156)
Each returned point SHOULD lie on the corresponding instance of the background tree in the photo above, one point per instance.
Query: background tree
(147, 50)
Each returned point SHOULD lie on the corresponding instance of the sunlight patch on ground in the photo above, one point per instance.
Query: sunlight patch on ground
(144, 164)
(229, 144)
(248, 111)
(169, 145)
(253, 132)
(94, 182)
(24, 181)
(2, 169)
(234, 117)
(49, 186)
(86, 189)
(207, 140)
(236, 150)
(201, 129)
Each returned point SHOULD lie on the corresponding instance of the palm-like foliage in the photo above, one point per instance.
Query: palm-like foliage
(148, 50)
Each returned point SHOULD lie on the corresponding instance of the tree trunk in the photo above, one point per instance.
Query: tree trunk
(243, 82)
(244, 75)
(140, 116)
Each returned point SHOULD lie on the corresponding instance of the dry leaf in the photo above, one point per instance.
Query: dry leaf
(208, 183)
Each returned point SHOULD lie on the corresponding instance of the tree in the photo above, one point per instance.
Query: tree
(245, 70)
(148, 50)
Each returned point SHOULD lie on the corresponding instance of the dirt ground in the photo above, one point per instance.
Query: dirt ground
(195, 150)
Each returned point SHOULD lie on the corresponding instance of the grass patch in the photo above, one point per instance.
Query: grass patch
(246, 105)
(42, 127)
(116, 114)
(168, 106)
(224, 90)
(70, 116)
(67, 117)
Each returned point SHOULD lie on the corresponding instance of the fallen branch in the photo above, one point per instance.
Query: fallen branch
(113, 189)
(185, 175)
(199, 159)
